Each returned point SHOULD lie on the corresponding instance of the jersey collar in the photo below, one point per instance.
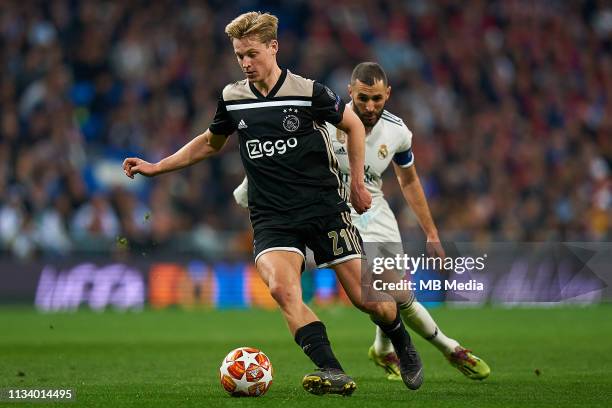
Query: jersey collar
(274, 90)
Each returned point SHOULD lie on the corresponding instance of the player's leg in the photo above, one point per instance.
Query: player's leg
(281, 271)
(378, 225)
(383, 228)
(387, 317)
(418, 319)
(336, 243)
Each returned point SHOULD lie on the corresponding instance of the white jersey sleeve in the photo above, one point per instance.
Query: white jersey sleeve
(404, 157)
(241, 194)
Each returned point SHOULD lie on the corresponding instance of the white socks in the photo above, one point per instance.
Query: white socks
(419, 320)
(382, 344)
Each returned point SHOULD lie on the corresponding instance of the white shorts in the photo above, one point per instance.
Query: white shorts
(378, 224)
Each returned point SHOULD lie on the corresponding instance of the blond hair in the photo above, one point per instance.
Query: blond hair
(261, 25)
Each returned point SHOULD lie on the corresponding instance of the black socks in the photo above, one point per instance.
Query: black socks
(312, 338)
(397, 333)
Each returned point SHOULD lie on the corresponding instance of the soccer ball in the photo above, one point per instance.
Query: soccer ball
(246, 372)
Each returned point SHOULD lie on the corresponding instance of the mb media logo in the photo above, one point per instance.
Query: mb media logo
(257, 149)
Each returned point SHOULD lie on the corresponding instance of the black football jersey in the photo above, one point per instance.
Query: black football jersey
(285, 148)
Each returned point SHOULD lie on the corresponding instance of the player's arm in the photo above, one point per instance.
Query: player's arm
(353, 127)
(415, 197)
(198, 149)
(328, 107)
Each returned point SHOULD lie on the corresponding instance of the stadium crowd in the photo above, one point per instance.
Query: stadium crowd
(510, 104)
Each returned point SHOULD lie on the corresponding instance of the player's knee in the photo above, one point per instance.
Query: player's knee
(380, 310)
(369, 307)
(285, 296)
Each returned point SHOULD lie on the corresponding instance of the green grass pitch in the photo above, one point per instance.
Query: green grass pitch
(170, 358)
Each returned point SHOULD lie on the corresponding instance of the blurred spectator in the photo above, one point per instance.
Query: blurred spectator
(510, 103)
(52, 231)
(95, 218)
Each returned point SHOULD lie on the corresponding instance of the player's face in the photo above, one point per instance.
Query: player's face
(369, 101)
(256, 59)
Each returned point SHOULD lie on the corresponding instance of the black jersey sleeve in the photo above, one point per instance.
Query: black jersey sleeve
(222, 123)
(327, 106)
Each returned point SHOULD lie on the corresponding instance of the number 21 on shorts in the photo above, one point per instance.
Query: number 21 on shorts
(338, 250)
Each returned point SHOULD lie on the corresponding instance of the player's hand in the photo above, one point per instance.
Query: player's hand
(434, 248)
(361, 199)
(134, 165)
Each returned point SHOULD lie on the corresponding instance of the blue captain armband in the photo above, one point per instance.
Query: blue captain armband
(404, 159)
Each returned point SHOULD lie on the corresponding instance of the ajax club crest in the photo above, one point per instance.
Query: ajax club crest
(291, 122)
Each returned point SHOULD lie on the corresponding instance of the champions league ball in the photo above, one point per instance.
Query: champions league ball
(246, 372)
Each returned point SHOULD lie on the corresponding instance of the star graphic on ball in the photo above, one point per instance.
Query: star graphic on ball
(248, 359)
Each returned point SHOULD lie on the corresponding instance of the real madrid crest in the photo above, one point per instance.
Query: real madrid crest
(340, 136)
(382, 152)
(291, 122)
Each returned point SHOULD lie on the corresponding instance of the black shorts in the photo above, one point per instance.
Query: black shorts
(332, 238)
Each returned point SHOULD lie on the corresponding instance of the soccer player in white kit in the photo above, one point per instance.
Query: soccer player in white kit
(389, 140)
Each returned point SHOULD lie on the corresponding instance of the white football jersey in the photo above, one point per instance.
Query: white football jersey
(388, 140)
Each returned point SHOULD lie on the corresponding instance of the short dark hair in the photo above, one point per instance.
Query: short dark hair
(369, 73)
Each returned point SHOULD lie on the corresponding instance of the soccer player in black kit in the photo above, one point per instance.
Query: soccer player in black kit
(296, 198)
